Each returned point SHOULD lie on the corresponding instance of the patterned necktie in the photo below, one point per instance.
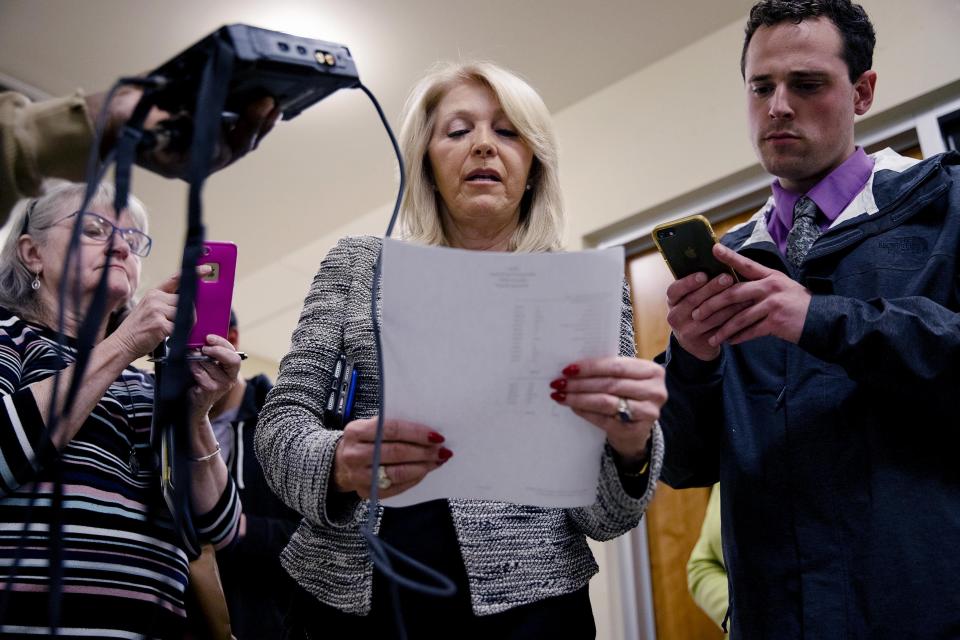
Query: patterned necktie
(805, 231)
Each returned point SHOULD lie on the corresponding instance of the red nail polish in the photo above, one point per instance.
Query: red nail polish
(559, 384)
(558, 396)
(444, 454)
(571, 370)
(435, 437)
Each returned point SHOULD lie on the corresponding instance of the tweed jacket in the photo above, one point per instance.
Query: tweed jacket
(513, 554)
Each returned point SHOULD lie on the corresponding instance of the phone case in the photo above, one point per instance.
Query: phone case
(687, 247)
(214, 292)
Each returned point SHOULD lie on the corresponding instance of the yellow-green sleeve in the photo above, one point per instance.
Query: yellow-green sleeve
(706, 570)
(48, 139)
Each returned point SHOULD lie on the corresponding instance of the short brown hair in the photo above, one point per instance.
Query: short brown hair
(851, 21)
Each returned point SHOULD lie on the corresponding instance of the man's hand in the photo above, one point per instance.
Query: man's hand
(236, 139)
(684, 297)
(767, 303)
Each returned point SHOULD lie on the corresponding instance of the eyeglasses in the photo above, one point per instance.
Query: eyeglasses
(100, 230)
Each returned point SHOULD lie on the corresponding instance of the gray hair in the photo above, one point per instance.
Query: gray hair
(541, 209)
(34, 217)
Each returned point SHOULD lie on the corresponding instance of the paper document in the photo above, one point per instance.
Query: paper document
(471, 341)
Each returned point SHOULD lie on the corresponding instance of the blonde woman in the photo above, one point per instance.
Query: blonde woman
(481, 156)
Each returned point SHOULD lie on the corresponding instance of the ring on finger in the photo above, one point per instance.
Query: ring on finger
(623, 410)
(383, 480)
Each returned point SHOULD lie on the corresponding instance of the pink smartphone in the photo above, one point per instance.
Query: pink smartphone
(214, 292)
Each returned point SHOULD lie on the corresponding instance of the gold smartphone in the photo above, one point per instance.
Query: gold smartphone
(687, 247)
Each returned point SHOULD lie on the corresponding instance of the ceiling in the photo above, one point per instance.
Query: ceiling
(333, 163)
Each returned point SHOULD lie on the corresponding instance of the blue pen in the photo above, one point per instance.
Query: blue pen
(348, 409)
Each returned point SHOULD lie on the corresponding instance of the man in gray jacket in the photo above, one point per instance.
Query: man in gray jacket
(820, 388)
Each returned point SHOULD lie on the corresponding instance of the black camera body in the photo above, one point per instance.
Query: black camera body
(297, 72)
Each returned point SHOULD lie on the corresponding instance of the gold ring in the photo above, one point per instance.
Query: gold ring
(383, 480)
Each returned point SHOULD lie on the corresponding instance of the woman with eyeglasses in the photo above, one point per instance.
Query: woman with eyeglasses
(124, 572)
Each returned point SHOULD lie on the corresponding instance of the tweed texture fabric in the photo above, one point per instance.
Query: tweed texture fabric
(513, 554)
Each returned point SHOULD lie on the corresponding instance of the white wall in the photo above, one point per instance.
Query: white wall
(680, 124)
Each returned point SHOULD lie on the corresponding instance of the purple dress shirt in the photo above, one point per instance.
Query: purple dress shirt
(832, 195)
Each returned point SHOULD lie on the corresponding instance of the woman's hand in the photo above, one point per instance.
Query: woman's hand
(409, 452)
(598, 390)
(214, 377)
(150, 321)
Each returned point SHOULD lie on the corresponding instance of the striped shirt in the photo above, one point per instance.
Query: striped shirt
(124, 569)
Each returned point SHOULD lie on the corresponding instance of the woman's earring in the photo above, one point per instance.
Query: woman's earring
(36, 281)
(529, 186)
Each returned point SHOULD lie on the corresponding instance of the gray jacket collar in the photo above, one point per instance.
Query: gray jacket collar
(864, 204)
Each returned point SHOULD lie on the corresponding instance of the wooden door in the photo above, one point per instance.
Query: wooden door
(674, 517)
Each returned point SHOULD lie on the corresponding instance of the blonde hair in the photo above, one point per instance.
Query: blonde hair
(60, 199)
(541, 209)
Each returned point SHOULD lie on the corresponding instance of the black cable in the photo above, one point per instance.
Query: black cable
(55, 540)
(381, 551)
(172, 416)
(88, 331)
(95, 172)
(92, 318)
